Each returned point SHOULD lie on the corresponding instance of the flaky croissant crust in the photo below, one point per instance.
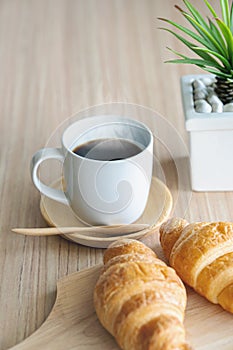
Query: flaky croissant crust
(140, 300)
(202, 255)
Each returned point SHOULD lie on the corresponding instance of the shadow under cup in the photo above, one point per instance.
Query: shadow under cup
(109, 184)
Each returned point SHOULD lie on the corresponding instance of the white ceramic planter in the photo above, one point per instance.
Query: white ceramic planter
(211, 143)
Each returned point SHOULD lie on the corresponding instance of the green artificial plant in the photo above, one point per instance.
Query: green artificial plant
(212, 41)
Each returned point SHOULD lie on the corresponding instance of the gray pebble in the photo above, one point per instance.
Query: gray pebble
(215, 102)
(210, 90)
(199, 94)
(213, 99)
(205, 98)
(217, 107)
(198, 84)
(202, 106)
(207, 81)
(228, 107)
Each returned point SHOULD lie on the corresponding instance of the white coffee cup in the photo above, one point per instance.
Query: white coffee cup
(102, 192)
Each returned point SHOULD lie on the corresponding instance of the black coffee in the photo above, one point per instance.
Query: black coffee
(107, 149)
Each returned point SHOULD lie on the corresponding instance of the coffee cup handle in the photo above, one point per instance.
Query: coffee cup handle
(37, 159)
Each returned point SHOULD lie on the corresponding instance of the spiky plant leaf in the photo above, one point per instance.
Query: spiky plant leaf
(215, 45)
(196, 15)
(217, 73)
(210, 8)
(200, 64)
(220, 57)
(228, 38)
(202, 52)
(197, 21)
(190, 33)
(196, 61)
(213, 42)
(216, 33)
(225, 12)
(208, 64)
(231, 17)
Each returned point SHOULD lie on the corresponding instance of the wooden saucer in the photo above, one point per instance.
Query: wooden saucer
(158, 209)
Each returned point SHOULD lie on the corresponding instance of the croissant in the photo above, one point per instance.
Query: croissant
(139, 299)
(202, 255)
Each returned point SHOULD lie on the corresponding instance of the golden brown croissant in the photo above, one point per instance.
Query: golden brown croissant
(202, 255)
(139, 299)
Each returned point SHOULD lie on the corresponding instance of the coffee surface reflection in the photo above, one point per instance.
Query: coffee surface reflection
(107, 149)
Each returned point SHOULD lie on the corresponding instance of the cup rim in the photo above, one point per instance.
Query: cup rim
(107, 118)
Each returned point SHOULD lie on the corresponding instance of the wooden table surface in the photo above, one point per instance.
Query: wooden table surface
(58, 57)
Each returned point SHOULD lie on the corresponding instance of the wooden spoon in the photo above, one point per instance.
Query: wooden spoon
(113, 230)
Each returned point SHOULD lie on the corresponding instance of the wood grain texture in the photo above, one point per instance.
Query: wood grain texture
(58, 57)
(73, 323)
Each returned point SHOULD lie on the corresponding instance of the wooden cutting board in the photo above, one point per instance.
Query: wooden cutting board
(73, 324)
